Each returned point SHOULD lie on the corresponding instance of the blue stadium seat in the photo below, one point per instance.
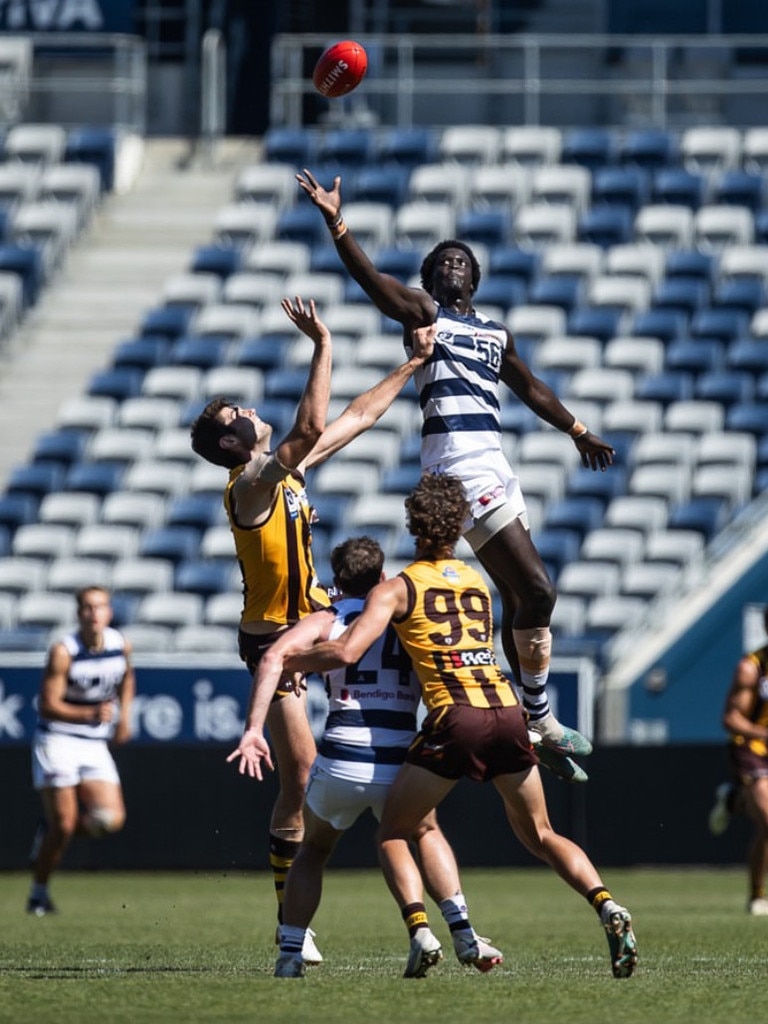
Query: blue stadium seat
(301, 223)
(124, 608)
(27, 262)
(590, 484)
(118, 382)
(761, 388)
(142, 353)
(94, 477)
(563, 290)
(408, 147)
(761, 227)
(589, 147)
(93, 144)
(204, 577)
(204, 352)
(678, 187)
(725, 324)
(749, 355)
(686, 294)
(690, 263)
(648, 147)
(174, 543)
(696, 356)
(751, 417)
(557, 547)
(601, 322)
(606, 225)
(400, 479)
(513, 262)
(289, 146)
(621, 186)
(216, 259)
(36, 479)
(400, 263)
(665, 387)
(489, 227)
(744, 294)
(577, 514)
(166, 321)
(348, 147)
(17, 509)
(62, 447)
(354, 293)
(374, 184)
(198, 510)
(739, 188)
(265, 351)
(665, 324)
(706, 515)
(325, 260)
(499, 291)
(725, 386)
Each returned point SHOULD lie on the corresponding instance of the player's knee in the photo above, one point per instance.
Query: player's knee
(102, 821)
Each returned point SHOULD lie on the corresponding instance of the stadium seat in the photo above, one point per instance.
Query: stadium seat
(472, 145)
(21, 573)
(501, 292)
(139, 509)
(26, 261)
(578, 514)
(725, 387)
(625, 293)
(272, 184)
(601, 384)
(751, 417)
(635, 260)
(69, 508)
(605, 225)
(531, 145)
(61, 446)
(648, 148)
(96, 145)
(539, 224)
(371, 223)
(706, 515)
(690, 264)
(695, 355)
(733, 483)
(348, 147)
(380, 184)
(621, 186)
(204, 639)
(43, 540)
(47, 609)
(717, 227)
(636, 354)
(725, 324)
(17, 509)
(679, 548)
(171, 543)
(119, 382)
(645, 581)
(36, 479)
(561, 290)
(200, 576)
(511, 261)
(242, 225)
(100, 478)
(38, 144)
(421, 225)
(739, 188)
(67, 575)
(292, 146)
(408, 147)
(489, 227)
(174, 609)
(643, 512)
(588, 579)
(567, 354)
(693, 416)
(504, 187)
(749, 355)
(222, 260)
(590, 147)
(141, 353)
(601, 322)
(683, 294)
(754, 150)
(677, 187)
(664, 324)
(665, 387)
(706, 150)
(667, 225)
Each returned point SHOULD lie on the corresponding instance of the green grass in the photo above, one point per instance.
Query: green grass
(198, 947)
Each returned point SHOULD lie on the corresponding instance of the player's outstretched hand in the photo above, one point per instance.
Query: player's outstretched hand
(306, 319)
(595, 453)
(329, 203)
(252, 750)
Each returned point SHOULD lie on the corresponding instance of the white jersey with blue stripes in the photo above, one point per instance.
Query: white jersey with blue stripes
(372, 707)
(459, 388)
(93, 677)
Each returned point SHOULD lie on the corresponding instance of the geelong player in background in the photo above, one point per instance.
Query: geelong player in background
(371, 722)
(84, 702)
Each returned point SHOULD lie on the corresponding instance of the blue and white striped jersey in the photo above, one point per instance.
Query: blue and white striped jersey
(371, 707)
(459, 388)
(94, 676)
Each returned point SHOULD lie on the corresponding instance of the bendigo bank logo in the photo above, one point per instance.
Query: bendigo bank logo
(453, 660)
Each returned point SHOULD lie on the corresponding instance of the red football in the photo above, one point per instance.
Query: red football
(340, 68)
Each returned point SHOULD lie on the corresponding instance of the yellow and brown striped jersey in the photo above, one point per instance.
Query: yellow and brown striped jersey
(280, 584)
(759, 711)
(448, 633)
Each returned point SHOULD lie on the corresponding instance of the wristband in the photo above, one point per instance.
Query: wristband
(338, 228)
(577, 430)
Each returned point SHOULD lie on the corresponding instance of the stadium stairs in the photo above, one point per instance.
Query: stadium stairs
(108, 280)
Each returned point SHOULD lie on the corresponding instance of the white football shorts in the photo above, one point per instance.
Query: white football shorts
(340, 802)
(60, 761)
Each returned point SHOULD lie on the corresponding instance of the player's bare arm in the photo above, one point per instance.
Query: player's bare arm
(741, 700)
(363, 411)
(541, 399)
(51, 702)
(409, 306)
(126, 693)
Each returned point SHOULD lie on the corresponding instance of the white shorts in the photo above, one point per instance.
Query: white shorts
(493, 491)
(60, 761)
(340, 802)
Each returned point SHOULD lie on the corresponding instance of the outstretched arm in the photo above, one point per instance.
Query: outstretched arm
(363, 411)
(741, 699)
(253, 747)
(409, 306)
(538, 396)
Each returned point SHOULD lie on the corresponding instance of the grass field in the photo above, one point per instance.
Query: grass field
(198, 947)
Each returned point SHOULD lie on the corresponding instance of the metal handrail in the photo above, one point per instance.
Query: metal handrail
(403, 69)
